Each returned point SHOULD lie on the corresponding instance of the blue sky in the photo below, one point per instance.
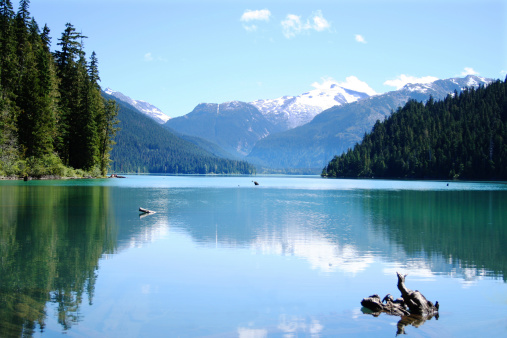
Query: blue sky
(177, 54)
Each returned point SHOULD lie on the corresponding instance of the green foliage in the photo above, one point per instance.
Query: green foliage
(53, 117)
(463, 136)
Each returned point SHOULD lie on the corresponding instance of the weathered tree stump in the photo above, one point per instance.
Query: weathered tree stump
(374, 304)
(416, 302)
(413, 307)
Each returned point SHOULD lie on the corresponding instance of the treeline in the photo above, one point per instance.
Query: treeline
(53, 118)
(144, 146)
(463, 136)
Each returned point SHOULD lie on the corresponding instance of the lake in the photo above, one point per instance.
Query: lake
(221, 257)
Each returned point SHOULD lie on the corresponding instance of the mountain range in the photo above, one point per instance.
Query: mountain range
(237, 126)
(301, 133)
(313, 145)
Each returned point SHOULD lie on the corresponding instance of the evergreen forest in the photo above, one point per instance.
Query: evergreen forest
(463, 136)
(144, 146)
(53, 119)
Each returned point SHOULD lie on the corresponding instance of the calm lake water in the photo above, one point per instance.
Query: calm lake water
(292, 257)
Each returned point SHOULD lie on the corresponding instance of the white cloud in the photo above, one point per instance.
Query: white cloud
(319, 23)
(252, 333)
(360, 38)
(354, 83)
(469, 71)
(503, 72)
(292, 25)
(403, 79)
(148, 57)
(262, 15)
(258, 15)
(351, 82)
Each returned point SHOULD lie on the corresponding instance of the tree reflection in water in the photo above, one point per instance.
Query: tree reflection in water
(51, 239)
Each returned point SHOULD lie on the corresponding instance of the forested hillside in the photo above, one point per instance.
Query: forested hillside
(53, 118)
(144, 146)
(463, 136)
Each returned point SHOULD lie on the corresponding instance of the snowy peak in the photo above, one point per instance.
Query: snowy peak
(447, 86)
(143, 106)
(294, 111)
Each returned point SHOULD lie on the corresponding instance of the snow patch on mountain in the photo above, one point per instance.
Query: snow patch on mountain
(440, 88)
(293, 111)
(143, 106)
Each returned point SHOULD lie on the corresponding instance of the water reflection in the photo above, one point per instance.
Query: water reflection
(51, 239)
(464, 229)
(458, 233)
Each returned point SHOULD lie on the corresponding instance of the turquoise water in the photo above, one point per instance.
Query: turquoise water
(291, 257)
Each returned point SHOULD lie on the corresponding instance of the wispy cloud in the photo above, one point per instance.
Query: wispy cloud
(257, 15)
(403, 79)
(293, 25)
(360, 38)
(469, 71)
(148, 57)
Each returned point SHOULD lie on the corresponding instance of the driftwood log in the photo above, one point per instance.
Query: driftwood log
(146, 211)
(413, 307)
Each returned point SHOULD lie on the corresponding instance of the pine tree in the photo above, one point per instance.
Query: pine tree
(71, 76)
(8, 57)
(106, 123)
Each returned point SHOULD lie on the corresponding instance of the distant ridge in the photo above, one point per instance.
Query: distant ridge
(234, 126)
(143, 106)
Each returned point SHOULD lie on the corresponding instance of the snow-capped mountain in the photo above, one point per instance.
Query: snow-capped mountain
(440, 88)
(339, 128)
(143, 106)
(289, 112)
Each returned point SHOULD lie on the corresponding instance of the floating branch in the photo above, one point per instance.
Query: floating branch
(146, 211)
